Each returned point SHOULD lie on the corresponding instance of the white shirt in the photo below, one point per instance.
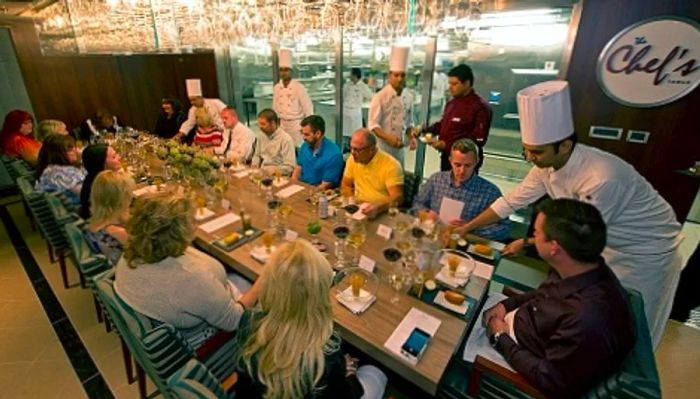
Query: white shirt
(291, 102)
(393, 114)
(242, 140)
(214, 106)
(355, 94)
(440, 83)
(275, 150)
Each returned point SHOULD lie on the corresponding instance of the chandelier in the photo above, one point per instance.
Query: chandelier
(89, 26)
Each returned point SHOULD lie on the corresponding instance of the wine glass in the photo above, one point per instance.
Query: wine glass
(393, 212)
(396, 277)
(273, 205)
(357, 237)
(284, 210)
(341, 232)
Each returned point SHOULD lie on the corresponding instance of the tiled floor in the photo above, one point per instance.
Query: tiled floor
(33, 364)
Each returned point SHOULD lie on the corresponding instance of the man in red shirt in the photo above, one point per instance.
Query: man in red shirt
(466, 115)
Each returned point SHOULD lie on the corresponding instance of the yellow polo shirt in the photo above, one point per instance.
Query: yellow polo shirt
(373, 179)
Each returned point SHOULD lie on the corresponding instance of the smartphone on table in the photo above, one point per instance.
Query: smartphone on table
(415, 344)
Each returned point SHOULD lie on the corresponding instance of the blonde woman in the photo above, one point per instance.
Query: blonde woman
(110, 197)
(287, 348)
(50, 126)
(164, 278)
(208, 134)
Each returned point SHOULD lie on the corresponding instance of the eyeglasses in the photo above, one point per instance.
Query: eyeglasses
(359, 150)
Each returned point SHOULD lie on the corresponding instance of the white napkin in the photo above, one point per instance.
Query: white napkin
(483, 270)
(242, 173)
(289, 191)
(220, 222)
(281, 182)
(260, 254)
(455, 282)
(440, 300)
(145, 190)
(203, 214)
(355, 307)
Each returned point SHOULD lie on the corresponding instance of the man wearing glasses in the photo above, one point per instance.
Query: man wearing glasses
(375, 177)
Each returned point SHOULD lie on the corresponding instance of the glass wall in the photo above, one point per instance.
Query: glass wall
(252, 75)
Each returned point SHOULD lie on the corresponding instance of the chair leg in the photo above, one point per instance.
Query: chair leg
(141, 378)
(128, 364)
(108, 325)
(62, 264)
(52, 259)
(98, 310)
(83, 283)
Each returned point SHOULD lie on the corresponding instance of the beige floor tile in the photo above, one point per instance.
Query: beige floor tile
(46, 379)
(24, 343)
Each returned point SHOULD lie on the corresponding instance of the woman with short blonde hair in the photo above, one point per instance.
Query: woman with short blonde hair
(50, 126)
(166, 279)
(110, 197)
(208, 134)
(288, 349)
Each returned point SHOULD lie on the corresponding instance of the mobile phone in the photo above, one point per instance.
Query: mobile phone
(416, 343)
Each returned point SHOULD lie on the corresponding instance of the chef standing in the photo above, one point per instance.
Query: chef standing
(355, 93)
(213, 107)
(643, 233)
(391, 110)
(290, 100)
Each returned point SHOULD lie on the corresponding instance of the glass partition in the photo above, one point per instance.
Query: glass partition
(507, 51)
(252, 63)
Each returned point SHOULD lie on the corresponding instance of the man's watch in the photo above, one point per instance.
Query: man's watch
(493, 339)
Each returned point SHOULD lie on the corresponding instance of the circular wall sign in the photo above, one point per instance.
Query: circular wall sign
(651, 63)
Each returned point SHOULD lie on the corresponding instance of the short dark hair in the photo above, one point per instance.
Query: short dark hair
(269, 115)
(54, 151)
(357, 72)
(572, 137)
(465, 146)
(463, 73)
(577, 226)
(316, 123)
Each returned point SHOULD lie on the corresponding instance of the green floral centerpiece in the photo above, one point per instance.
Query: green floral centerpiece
(189, 162)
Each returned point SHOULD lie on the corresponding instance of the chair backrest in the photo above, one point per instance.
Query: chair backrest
(18, 168)
(40, 209)
(638, 376)
(89, 263)
(194, 381)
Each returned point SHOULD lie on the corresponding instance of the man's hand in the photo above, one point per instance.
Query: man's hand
(412, 143)
(498, 311)
(514, 247)
(395, 141)
(438, 145)
(458, 222)
(495, 325)
(371, 210)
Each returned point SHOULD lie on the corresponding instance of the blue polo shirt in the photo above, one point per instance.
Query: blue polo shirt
(324, 165)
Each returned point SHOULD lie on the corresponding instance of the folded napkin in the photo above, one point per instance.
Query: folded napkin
(456, 281)
(203, 214)
(289, 191)
(359, 215)
(260, 254)
(242, 173)
(145, 190)
(280, 182)
(355, 306)
(440, 300)
(220, 222)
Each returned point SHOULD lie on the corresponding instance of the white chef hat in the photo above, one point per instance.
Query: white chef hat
(545, 112)
(398, 61)
(194, 87)
(285, 58)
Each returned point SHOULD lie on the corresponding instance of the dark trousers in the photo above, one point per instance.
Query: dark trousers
(687, 295)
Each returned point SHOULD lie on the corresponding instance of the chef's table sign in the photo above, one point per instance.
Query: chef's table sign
(652, 62)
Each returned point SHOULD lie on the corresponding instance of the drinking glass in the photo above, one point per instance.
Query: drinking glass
(397, 276)
(341, 232)
(313, 227)
(357, 237)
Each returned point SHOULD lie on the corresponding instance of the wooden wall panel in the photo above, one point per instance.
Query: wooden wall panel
(72, 87)
(675, 130)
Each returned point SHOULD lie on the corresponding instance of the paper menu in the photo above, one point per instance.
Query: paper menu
(289, 191)
(483, 270)
(220, 222)
(414, 318)
(478, 341)
(450, 209)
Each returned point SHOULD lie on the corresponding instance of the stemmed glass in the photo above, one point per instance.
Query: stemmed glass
(341, 232)
(357, 237)
(397, 276)
(393, 212)
(273, 205)
(266, 182)
(284, 210)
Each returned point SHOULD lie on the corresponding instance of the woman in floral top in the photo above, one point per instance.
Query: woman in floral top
(58, 173)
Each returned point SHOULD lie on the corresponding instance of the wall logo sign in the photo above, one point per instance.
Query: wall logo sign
(651, 63)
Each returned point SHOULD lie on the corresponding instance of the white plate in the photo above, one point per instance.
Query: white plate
(423, 139)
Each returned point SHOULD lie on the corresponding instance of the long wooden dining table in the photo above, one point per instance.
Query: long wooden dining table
(369, 330)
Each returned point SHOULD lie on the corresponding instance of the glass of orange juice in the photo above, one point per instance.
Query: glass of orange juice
(357, 281)
(267, 239)
(453, 263)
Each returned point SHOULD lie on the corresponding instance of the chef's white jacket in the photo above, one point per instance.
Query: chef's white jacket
(643, 234)
(292, 104)
(354, 95)
(214, 106)
(393, 114)
(237, 143)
